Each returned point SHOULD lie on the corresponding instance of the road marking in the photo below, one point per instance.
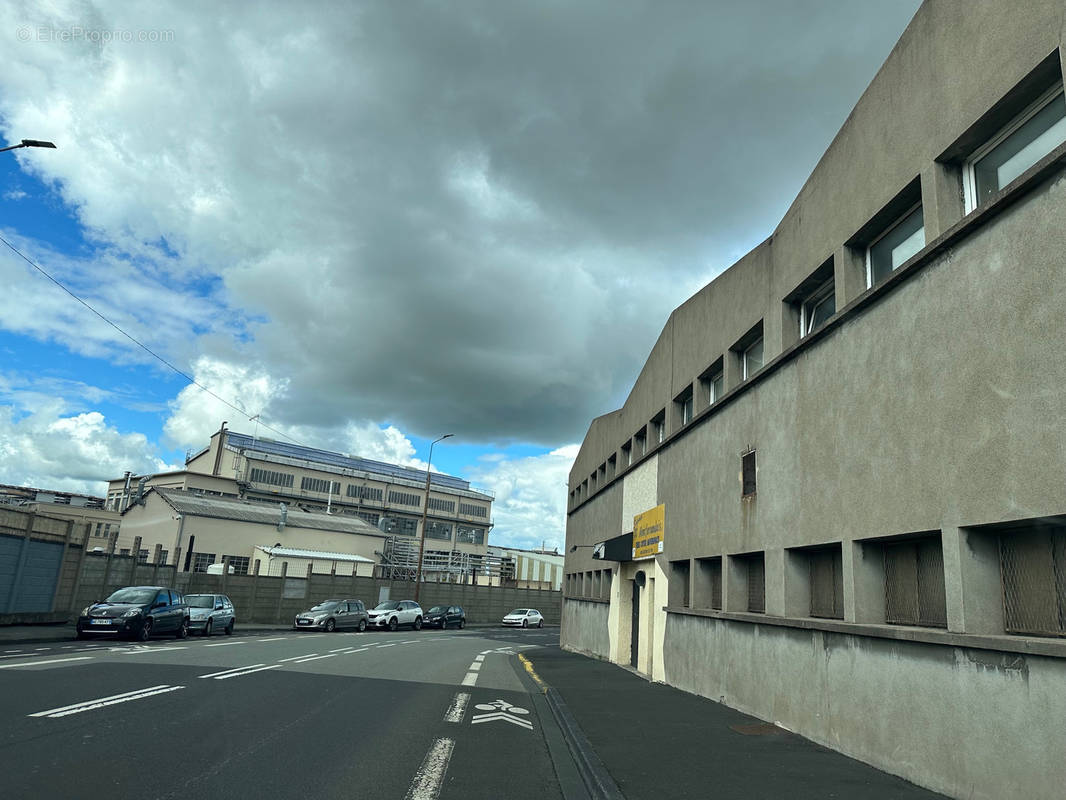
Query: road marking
(246, 672)
(49, 661)
(223, 644)
(458, 708)
(529, 668)
(42, 648)
(91, 705)
(470, 679)
(340, 649)
(502, 711)
(275, 639)
(14, 651)
(410, 641)
(475, 666)
(480, 657)
(427, 781)
(225, 671)
(387, 645)
(155, 650)
(316, 658)
(296, 658)
(360, 650)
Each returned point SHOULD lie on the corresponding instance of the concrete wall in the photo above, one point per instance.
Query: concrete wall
(586, 625)
(966, 722)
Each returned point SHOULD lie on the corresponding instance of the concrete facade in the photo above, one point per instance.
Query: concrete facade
(840, 521)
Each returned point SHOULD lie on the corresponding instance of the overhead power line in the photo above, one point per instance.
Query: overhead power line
(142, 345)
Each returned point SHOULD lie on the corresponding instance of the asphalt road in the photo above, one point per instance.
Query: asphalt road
(405, 715)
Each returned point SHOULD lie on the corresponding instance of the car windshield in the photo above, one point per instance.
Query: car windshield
(388, 605)
(200, 600)
(437, 609)
(517, 611)
(327, 605)
(134, 596)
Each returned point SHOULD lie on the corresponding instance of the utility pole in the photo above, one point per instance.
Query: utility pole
(425, 510)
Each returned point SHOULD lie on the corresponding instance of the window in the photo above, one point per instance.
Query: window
(658, 426)
(683, 403)
(712, 384)
(612, 466)
(142, 556)
(747, 353)
(364, 492)
(201, 561)
(320, 485)
(679, 584)
(472, 510)
(438, 530)
(469, 535)
(640, 442)
(238, 564)
(368, 516)
(819, 306)
(1032, 135)
(437, 504)
(162, 557)
(914, 583)
(125, 551)
(283, 479)
(826, 582)
(1033, 569)
(751, 361)
(756, 580)
(709, 583)
(402, 526)
(899, 242)
(747, 471)
(405, 498)
(627, 454)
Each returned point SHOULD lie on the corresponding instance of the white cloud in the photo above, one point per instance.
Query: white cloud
(74, 453)
(530, 506)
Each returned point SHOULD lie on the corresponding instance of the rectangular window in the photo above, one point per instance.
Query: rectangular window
(747, 471)
(627, 454)
(756, 583)
(914, 583)
(142, 556)
(201, 561)
(320, 485)
(708, 583)
(437, 504)
(818, 307)
(405, 498)
(1029, 137)
(679, 584)
(368, 516)
(612, 466)
(751, 361)
(364, 492)
(271, 478)
(902, 239)
(658, 426)
(438, 530)
(640, 442)
(826, 582)
(1033, 570)
(712, 385)
(472, 510)
(466, 535)
(684, 405)
(238, 564)
(163, 557)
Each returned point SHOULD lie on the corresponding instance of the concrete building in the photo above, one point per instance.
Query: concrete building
(235, 465)
(531, 569)
(834, 496)
(83, 510)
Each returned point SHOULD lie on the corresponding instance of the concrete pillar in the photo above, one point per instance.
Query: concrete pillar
(73, 607)
(734, 584)
(281, 590)
(972, 586)
(863, 569)
(62, 564)
(849, 274)
(255, 591)
(20, 565)
(136, 553)
(797, 584)
(942, 202)
(775, 580)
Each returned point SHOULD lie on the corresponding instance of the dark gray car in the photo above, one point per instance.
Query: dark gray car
(331, 615)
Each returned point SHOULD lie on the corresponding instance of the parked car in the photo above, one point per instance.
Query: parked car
(139, 612)
(331, 615)
(392, 614)
(445, 617)
(210, 612)
(524, 618)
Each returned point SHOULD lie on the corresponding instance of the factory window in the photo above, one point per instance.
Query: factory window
(755, 578)
(201, 561)
(747, 352)
(468, 535)
(901, 240)
(914, 583)
(320, 485)
(819, 306)
(472, 510)
(825, 566)
(368, 516)
(684, 404)
(142, 555)
(1033, 569)
(364, 492)
(708, 583)
(658, 426)
(1029, 137)
(238, 564)
(437, 504)
(640, 442)
(679, 584)
(747, 473)
(162, 557)
(712, 384)
(753, 358)
(405, 498)
(438, 530)
(627, 454)
(271, 478)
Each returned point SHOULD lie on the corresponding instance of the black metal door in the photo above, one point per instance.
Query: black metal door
(634, 637)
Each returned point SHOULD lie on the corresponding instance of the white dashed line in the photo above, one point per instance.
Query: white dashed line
(427, 781)
(387, 645)
(227, 671)
(49, 661)
(91, 705)
(470, 679)
(245, 672)
(340, 650)
(223, 644)
(296, 658)
(480, 657)
(154, 650)
(275, 639)
(458, 708)
(316, 658)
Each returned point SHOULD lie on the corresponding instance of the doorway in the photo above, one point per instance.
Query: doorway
(634, 638)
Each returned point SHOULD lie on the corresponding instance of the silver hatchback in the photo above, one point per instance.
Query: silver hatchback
(209, 613)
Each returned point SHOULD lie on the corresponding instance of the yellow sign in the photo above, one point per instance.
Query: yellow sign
(648, 533)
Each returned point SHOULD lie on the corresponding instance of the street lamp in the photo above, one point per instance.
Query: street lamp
(28, 143)
(425, 510)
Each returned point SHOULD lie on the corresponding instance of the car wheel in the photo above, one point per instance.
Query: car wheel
(183, 630)
(362, 625)
(144, 633)
(229, 628)
(444, 624)
(393, 625)
(331, 625)
(207, 628)
(418, 623)
(81, 635)
(462, 624)
(540, 624)
(525, 623)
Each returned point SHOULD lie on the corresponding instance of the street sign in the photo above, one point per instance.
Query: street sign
(648, 533)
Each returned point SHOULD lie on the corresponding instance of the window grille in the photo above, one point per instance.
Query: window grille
(320, 485)
(756, 583)
(238, 564)
(201, 561)
(142, 556)
(162, 558)
(271, 478)
(368, 516)
(437, 504)
(914, 583)
(747, 465)
(405, 498)
(473, 511)
(1033, 566)
(364, 492)
(827, 583)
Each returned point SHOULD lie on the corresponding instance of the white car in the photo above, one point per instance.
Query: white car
(524, 618)
(393, 614)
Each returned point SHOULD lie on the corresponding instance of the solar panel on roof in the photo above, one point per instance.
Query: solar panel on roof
(245, 442)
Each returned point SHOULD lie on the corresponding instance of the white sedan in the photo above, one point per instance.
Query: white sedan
(524, 618)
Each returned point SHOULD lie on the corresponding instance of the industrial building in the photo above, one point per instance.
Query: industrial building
(834, 495)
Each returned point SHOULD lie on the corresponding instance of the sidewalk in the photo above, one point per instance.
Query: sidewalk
(658, 742)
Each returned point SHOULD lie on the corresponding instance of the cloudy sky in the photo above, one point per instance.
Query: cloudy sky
(371, 223)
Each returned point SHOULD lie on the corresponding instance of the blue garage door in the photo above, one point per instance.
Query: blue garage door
(39, 573)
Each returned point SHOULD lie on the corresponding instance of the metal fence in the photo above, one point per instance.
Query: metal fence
(756, 583)
(1033, 566)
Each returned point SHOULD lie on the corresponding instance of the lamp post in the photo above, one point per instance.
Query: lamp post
(28, 143)
(425, 510)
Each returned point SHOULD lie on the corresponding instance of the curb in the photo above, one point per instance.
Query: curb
(598, 781)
